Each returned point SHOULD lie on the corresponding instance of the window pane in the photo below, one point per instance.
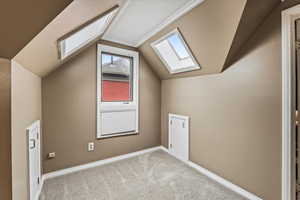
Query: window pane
(171, 58)
(116, 78)
(174, 53)
(178, 46)
(85, 35)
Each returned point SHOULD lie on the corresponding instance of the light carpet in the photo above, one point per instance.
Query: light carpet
(151, 176)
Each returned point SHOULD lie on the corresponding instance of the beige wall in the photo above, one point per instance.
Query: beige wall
(22, 17)
(236, 116)
(5, 129)
(69, 114)
(26, 108)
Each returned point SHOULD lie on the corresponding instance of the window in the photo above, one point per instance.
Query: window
(116, 71)
(117, 91)
(174, 53)
(86, 34)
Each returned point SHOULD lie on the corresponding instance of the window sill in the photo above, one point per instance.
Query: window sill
(117, 135)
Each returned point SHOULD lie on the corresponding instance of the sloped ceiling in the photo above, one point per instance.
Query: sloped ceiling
(21, 20)
(40, 56)
(214, 30)
(215, 44)
(254, 14)
(208, 29)
(149, 16)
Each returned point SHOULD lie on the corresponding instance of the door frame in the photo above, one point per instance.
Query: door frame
(187, 120)
(288, 101)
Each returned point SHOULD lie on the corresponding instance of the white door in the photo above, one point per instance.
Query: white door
(33, 134)
(179, 136)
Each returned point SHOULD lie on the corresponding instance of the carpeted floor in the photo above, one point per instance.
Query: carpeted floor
(152, 176)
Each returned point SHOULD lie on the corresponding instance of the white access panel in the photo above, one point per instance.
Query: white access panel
(34, 155)
(118, 122)
(179, 136)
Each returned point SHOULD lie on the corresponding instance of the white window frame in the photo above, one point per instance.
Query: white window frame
(172, 71)
(111, 13)
(117, 105)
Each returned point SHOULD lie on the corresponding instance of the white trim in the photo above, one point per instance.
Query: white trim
(119, 15)
(97, 163)
(117, 106)
(187, 121)
(196, 65)
(183, 10)
(219, 179)
(288, 63)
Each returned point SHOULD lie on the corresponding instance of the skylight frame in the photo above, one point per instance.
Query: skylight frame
(176, 31)
(62, 55)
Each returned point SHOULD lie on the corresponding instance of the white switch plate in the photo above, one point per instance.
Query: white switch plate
(91, 146)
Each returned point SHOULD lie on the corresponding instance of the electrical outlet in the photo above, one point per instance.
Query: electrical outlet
(91, 146)
(51, 155)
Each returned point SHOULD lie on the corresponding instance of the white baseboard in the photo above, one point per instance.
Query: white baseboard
(220, 180)
(96, 163)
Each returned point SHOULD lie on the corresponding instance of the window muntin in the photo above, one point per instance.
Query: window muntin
(116, 80)
(174, 53)
(85, 35)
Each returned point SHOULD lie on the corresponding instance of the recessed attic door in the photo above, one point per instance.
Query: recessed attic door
(85, 34)
(174, 53)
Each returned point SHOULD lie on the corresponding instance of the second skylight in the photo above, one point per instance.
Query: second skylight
(174, 53)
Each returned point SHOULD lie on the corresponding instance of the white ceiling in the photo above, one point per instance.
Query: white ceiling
(138, 20)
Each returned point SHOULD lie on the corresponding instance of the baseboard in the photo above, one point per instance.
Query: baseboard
(96, 163)
(220, 180)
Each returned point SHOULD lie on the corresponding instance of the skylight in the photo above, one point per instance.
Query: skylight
(174, 53)
(86, 34)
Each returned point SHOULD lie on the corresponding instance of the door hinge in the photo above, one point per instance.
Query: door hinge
(171, 122)
(183, 125)
(38, 180)
(296, 118)
(171, 146)
(297, 45)
(298, 187)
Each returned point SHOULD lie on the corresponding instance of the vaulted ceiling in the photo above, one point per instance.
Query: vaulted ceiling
(41, 55)
(20, 21)
(214, 30)
(139, 20)
(254, 14)
(208, 29)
